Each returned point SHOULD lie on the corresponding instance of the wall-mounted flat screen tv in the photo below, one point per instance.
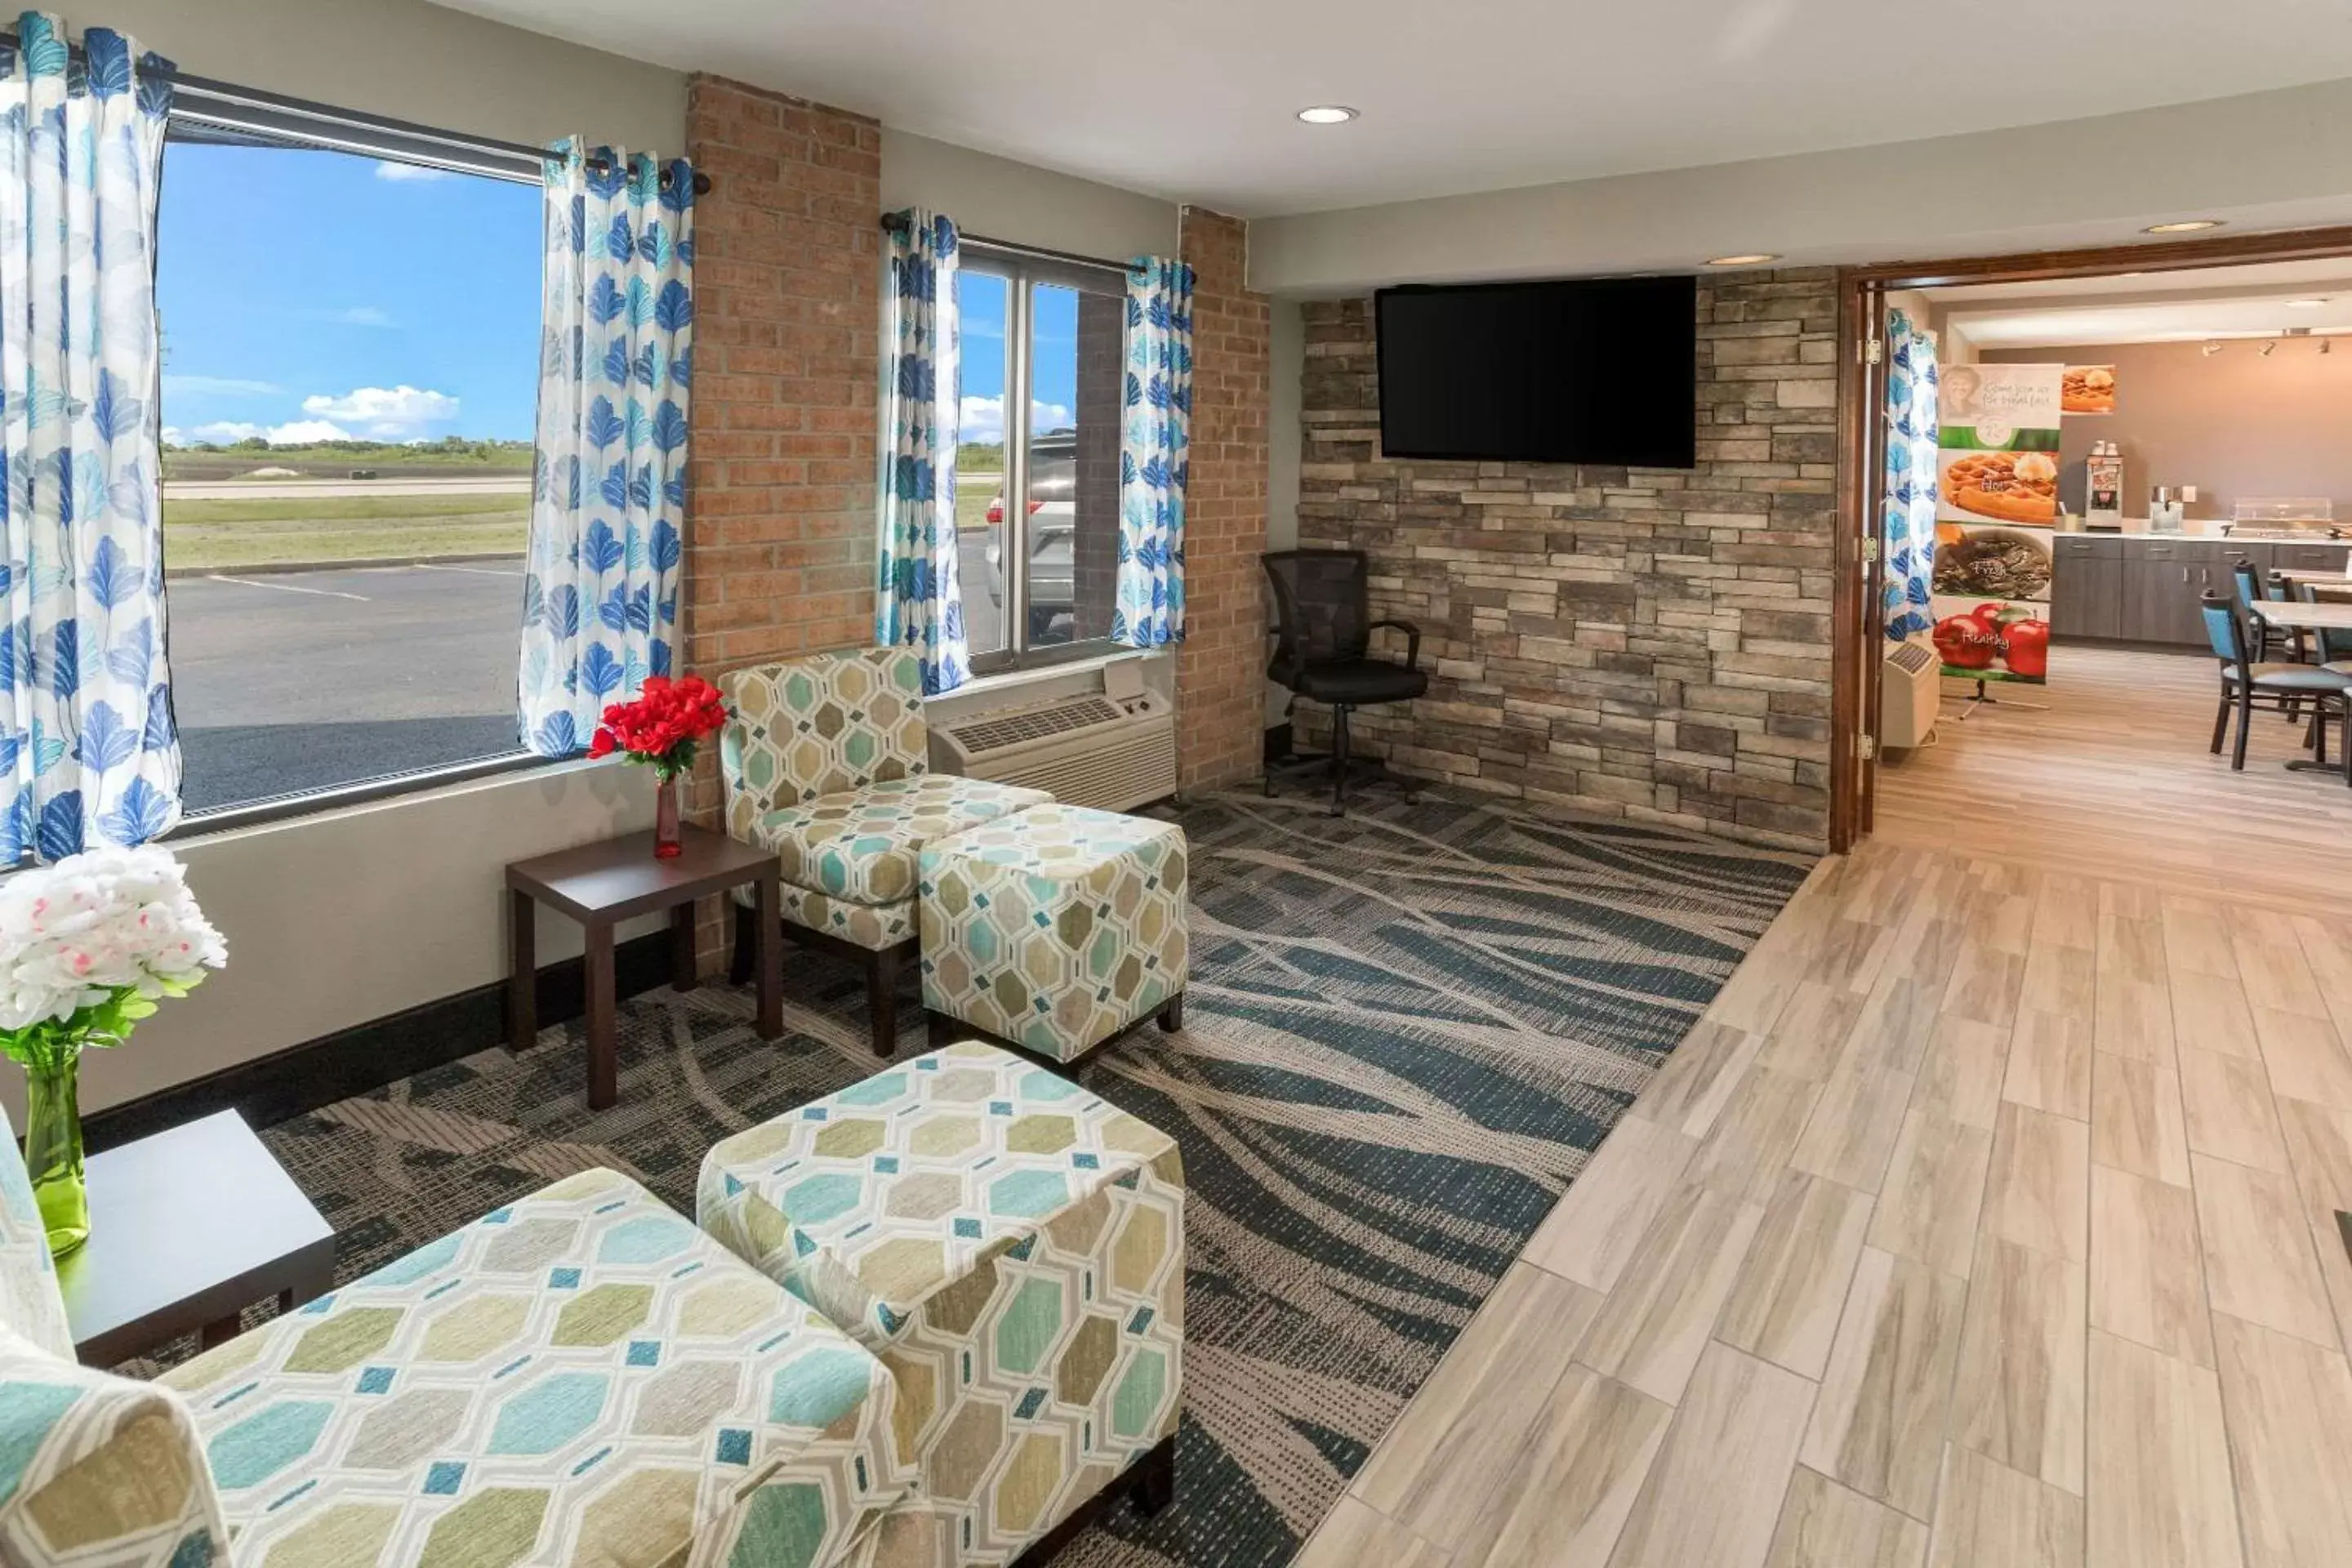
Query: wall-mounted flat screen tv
(1579, 371)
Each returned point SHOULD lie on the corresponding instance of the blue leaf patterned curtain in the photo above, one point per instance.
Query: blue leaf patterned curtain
(608, 499)
(88, 752)
(1149, 610)
(918, 598)
(1909, 508)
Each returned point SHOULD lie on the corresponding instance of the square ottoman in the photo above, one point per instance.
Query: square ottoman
(1012, 1247)
(1055, 929)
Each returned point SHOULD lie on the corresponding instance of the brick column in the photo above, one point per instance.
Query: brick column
(780, 540)
(1220, 686)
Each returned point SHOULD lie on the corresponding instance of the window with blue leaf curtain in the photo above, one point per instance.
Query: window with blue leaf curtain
(88, 750)
(608, 502)
(1909, 505)
(1154, 458)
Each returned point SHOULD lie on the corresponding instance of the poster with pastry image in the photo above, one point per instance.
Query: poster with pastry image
(2088, 389)
(1997, 431)
(1996, 506)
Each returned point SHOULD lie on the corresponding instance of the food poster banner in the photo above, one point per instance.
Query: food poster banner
(2089, 389)
(1997, 507)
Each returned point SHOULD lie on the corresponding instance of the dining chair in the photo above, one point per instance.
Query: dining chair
(2247, 683)
(2246, 579)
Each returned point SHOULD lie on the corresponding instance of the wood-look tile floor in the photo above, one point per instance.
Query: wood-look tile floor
(1986, 1220)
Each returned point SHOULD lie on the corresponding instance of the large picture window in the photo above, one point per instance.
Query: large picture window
(350, 348)
(1043, 365)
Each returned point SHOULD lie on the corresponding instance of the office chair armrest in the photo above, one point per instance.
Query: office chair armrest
(1411, 639)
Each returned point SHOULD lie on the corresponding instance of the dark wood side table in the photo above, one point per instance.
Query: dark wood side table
(188, 1228)
(601, 885)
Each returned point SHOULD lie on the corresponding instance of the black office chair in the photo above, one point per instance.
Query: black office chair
(1323, 630)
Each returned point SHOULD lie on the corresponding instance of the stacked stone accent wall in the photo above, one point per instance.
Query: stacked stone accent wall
(1654, 644)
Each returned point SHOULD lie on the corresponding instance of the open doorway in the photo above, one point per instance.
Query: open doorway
(2081, 461)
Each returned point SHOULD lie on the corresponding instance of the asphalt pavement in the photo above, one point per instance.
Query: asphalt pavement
(286, 682)
(290, 681)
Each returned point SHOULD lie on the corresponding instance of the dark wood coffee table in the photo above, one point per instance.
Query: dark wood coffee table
(601, 885)
(188, 1228)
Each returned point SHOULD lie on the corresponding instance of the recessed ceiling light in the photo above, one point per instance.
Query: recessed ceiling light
(2185, 225)
(1746, 259)
(2305, 304)
(1327, 114)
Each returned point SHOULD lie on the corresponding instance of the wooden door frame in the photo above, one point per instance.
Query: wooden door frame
(1855, 616)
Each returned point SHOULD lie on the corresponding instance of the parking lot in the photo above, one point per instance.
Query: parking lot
(285, 682)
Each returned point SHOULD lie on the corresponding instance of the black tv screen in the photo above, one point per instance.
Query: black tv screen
(1580, 371)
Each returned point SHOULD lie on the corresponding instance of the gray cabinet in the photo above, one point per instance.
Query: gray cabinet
(2308, 557)
(2140, 590)
(2086, 592)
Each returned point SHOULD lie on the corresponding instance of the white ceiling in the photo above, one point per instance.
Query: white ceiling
(1195, 100)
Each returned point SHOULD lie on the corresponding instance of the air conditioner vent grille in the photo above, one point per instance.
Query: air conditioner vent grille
(1910, 658)
(982, 736)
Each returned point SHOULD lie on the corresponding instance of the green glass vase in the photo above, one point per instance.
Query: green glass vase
(53, 1149)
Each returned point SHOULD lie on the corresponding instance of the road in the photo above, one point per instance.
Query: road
(342, 489)
(294, 682)
(285, 682)
(304, 680)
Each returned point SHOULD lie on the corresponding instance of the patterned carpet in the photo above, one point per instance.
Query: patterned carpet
(1406, 1031)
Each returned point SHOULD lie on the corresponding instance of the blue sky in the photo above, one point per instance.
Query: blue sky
(311, 293)
(1054, 371)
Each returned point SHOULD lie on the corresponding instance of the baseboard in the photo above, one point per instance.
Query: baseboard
(368, 1055)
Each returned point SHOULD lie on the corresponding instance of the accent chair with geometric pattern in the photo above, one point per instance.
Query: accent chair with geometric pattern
(827, 762)
(579, 1378)
(1011, 1247)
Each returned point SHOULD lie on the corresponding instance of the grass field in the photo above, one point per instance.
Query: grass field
(337, 462)
(224, 536)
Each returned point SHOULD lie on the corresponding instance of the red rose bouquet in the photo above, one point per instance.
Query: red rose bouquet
(661, 729)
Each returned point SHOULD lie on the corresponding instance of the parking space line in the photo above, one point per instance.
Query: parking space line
(287, 588)
(477, 571)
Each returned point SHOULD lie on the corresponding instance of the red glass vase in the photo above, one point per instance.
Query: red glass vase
(665, 844)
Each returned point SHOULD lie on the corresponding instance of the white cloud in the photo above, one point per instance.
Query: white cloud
(386, 169)
(218, 386)
(228, 432)
(981, 419)
(385, 413)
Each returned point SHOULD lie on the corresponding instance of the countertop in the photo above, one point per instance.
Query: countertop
(2135, 531)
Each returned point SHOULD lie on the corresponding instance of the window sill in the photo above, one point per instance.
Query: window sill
(239, 821)
(1011, 680)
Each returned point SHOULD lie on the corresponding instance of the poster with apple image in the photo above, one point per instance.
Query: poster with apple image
(1992, 639)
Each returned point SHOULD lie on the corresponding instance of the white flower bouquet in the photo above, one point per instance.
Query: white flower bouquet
(89, 946)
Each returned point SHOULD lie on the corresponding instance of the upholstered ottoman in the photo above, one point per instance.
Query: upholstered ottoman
(578, 1378)
(1012, 1247)
(1055, 929)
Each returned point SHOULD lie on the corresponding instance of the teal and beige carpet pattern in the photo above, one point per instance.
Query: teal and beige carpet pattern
(1406, 1031)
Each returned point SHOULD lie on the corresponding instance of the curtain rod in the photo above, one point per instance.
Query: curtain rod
(896, 224)
(229, 93)
(206, 89)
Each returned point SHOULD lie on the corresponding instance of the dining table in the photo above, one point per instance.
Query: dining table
(2325, 615)
(2294, 615)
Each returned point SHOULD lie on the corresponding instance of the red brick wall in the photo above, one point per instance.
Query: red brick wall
(780, 486)
(1220, 685)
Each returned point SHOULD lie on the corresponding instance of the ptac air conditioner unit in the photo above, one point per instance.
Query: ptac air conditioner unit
(1115, 750)
(1908, 696)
